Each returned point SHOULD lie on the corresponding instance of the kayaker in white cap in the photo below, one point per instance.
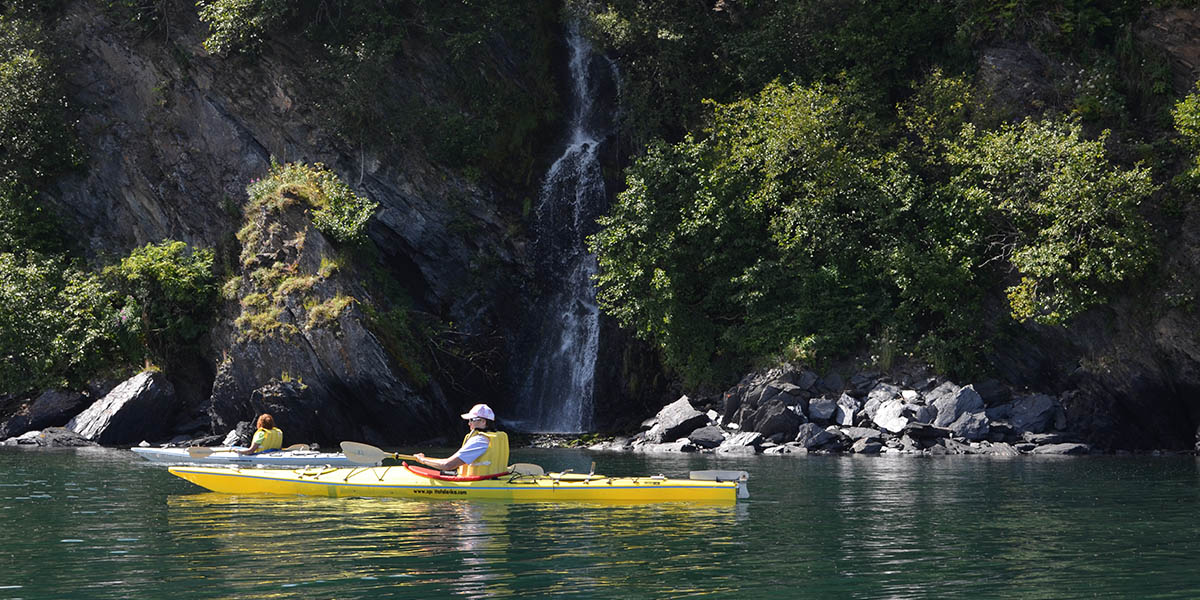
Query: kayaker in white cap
(483, 451)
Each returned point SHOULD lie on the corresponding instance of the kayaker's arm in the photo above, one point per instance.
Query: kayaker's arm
(441, 464)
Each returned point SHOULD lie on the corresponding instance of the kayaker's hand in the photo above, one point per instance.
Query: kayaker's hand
(420, 456)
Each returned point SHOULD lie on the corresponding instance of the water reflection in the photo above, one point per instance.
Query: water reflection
(95, 526)
(468, 548)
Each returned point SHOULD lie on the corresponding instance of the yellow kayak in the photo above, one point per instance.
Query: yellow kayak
(407, 481)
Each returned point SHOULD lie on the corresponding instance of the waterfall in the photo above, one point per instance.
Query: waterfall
(558, 359)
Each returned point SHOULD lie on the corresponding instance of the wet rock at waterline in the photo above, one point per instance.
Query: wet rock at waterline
(51, 437)
(787, 411)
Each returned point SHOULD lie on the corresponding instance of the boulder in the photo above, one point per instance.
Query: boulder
(862, 433)
(776, 420)
(1066, 448)
(139, 409)
(1000, 449)
(746, 439)
(619, 443)
(865, 446)
(831, 383)
(924, 431)
(707, 437)
(821, 410)
(53, 408)
(677, 419)
(920, 413)
(788, 449)
(951, 406)
(890, 416)
(682, 445)
(883, 392)
(1046, 438)
(946, 388)
(811, 435)
(1033, 413)
(993, 392)
(971, 425)
(51, 437)
(847, 407)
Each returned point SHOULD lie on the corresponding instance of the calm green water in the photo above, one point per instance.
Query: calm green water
(102, 523)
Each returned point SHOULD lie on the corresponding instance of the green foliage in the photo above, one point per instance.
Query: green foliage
(759, 238)
(338, 212)
(675, 54)
(790, 231)
(1062, 215)
(1186, 114)
(172, 289)
(480, 112)
(1060, 24)
(240, 24)
(58, 325)
(37, 140)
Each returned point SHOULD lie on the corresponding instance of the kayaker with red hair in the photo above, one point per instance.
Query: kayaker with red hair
(266, 437)
(483, 451)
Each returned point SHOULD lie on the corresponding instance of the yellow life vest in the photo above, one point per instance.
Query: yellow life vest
(272, 439)
(493, 460)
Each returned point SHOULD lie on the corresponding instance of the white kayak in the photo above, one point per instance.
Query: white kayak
(228, 456)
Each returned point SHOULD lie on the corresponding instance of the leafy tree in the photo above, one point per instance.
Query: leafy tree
(676, 54)
(169, 291)
(762, 239)
(240, 24)
(58, 324)
(36, 140)
(1186, 114)
(1058, 211)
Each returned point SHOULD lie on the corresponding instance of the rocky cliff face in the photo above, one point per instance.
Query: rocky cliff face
(174, 136)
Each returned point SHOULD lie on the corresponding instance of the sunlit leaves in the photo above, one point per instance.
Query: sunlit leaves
(173, 287)
(730, 248)
(1066, 218)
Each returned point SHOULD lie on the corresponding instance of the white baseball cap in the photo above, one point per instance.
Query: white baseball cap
(480, 411)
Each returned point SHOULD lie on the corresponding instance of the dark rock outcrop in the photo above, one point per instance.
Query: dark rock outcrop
(50, 437)
(139, 409)
(53, 408)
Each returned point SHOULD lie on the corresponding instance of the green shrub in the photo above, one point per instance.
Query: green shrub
(1060, 213)
(175, 291)
(766, 235)
(1186, 114)
(37, 140)
(338, 212)
(240, 25)
(58, 325)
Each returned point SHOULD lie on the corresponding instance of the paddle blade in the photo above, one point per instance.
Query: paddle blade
(200, 451)
(296, 448)
(364, 454)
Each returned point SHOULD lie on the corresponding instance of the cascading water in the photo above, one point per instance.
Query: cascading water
(555, 383)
